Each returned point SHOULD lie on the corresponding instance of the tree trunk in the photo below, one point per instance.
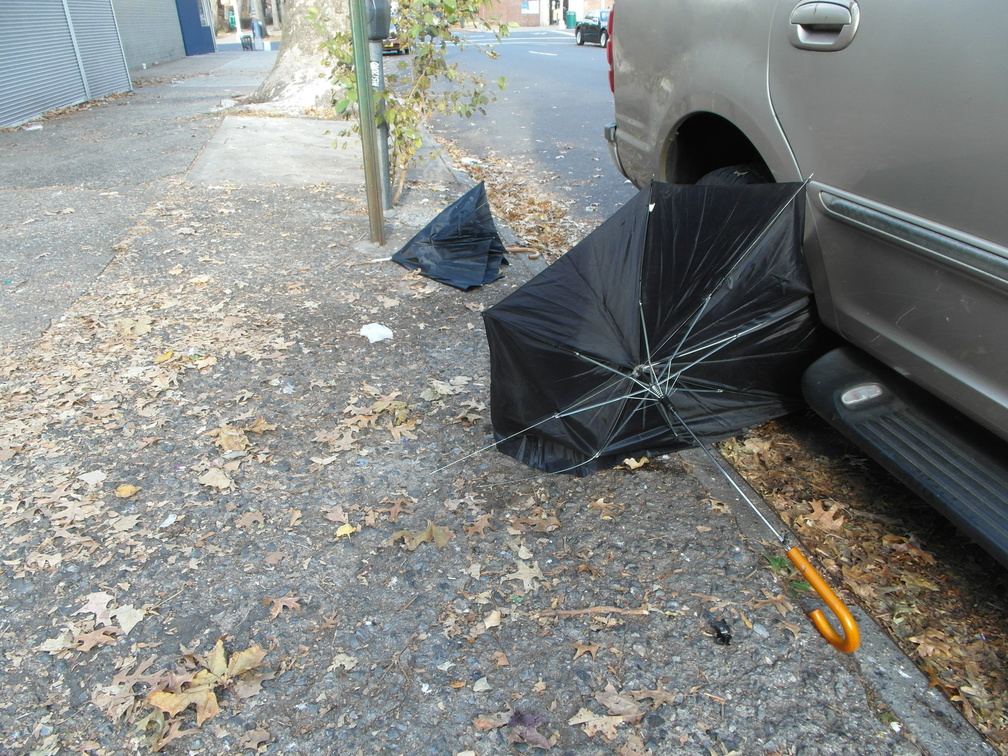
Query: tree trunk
(219, 14)
(299, 81)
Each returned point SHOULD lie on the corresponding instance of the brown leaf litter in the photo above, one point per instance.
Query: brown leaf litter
(939, 597)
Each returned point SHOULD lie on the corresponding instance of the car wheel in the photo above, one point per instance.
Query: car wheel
(603, 38)
(736, 175)
(579, 37)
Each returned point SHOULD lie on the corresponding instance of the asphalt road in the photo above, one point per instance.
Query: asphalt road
(550, 115)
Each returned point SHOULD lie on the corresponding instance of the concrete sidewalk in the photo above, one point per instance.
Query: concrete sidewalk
(212, 266)
(106, 161)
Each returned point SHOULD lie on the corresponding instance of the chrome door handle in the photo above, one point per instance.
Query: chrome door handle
(824, 24)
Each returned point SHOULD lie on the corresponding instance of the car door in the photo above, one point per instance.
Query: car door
(897, 109)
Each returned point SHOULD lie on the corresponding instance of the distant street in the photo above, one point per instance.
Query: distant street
(552, 114)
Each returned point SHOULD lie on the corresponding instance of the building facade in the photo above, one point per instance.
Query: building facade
(540, 12)
(58, 53)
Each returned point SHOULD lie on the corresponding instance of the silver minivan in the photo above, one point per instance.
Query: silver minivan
(897, 113)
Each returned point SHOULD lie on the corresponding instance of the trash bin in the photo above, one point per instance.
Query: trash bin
(570, 18)
(246, 42)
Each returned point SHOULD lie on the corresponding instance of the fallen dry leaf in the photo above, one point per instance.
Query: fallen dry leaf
(607, 509)
(597, 724)
(251, 740)
(400, 506)
(620, 704)
(279, 603)
(246, 660)
(529, 575)
(199, 689)
(658, 696)
(487, 722)
(127, 617)
(779, 602)
(524, 728)
(931, 642)
(173, 732)
(432, 533)
(97, 604)
(249, 520)
(199, 692)
(343, 661)
(345, 530)
(104, 636)
(585, 648)
(93, 478)
(479, 526)
(260, 426)
(216, 478)
(228, 438)
(827, 519)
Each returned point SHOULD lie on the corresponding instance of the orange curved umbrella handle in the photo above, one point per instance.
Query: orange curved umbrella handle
(851, 638)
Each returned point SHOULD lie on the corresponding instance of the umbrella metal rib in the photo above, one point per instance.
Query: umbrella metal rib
(645, 388)
(658, 391)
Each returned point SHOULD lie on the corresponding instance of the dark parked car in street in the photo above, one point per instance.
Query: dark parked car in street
(594, 27)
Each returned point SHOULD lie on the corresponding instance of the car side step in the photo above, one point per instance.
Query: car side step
(942, 456)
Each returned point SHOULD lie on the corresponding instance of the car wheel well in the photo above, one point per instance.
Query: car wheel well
(704, 143)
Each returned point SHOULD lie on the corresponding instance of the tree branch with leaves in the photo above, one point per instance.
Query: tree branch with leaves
(423, 84)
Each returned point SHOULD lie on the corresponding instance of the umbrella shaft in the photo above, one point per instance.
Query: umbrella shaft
(674, 421)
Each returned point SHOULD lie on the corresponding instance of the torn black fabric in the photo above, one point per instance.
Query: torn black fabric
(460, 247)
(690, 306)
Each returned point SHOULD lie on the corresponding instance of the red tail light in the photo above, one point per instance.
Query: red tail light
(612, 81)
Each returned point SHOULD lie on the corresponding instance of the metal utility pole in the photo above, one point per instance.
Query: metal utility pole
(368, 123)
(378, 82)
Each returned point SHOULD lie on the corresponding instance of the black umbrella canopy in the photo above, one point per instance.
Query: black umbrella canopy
(687, 315)
(460, 247)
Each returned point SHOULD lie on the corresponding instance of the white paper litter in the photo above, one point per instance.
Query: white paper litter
(375, 332)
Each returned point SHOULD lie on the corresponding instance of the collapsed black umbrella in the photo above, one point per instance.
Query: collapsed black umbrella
(460, 247)
(684, 318)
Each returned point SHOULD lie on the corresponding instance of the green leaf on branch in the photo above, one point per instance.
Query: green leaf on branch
(412, 91)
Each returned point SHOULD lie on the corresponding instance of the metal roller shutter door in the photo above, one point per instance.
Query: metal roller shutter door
(149, 30)
(38, 65)
(101, 53)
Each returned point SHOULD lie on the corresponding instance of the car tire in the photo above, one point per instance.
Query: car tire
(736, 175)
(579, 37)
(603, 38)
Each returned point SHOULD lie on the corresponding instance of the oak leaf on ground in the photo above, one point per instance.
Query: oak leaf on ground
(400, 506)
(290, 601)
(530, 575)
(432, 533)
(597, 724)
